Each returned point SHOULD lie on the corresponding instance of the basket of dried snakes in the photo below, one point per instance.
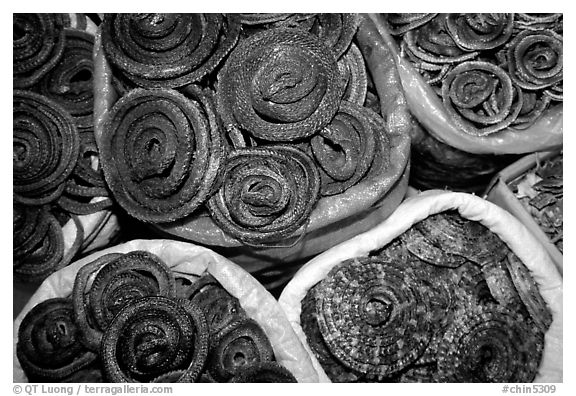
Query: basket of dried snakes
(532, 189)
(486, 88)
(61, 206)
(268, 147)
(156, 311)
(449, 288)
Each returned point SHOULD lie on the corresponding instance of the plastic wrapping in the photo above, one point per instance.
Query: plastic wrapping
(186, 258)
(418, 207)
(545, 134)
(335, 218)
(499, 193)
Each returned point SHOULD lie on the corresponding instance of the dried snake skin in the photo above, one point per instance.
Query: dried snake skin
(535, 59)
(480, 31)
(116, 280)
(240, 344)
(168, 50)
(334, 369)
(452, 53)
(279, 85)
(485, 293)
(345, 148)
(490, 344)
(44, 253)
(373, 316)
(401, 23)
(263, 372)
(418, 244)
(38, 44)
(267, 193)
(501, 286)
(70, 83)
(48, 347)
(220, 307)
(154, 337)
(161, 152)
(353, 71)
(86, 181)
(480, 97)
(528, 292)
(457, 235)
(45, 148)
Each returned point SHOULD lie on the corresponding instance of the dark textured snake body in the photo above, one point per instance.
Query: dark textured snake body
(168, 50)
(116, 280)
(219, 306)
(240, 344)
(161, 152)
(48, 347)
(267, 193)
(490, 344)
(480, 97)
(155, 338)
(45, 148)
(373, 317)
(70, 82)
(264, 372)
(38, 44)
(345, 148)
(279, 85)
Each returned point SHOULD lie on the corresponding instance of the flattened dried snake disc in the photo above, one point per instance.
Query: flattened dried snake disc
(372, 316)
(535, 59)
(335, 370)
(279, 85)
(168, 50)
(267, 194)
(264, 372)
(46, 257)
(240, 344)
(418, 245)
(45, 148)
(353, 70)
(490, 344)
(528, 292)
(38, 44)
(479, 96)
(344, 149)
(70, 82)
(133, 275)
(48, 345)
(90, 333)
(463, 237)
(480, 31)
(161, 153)
(153, 336)
(432, 43)
(401, 23)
